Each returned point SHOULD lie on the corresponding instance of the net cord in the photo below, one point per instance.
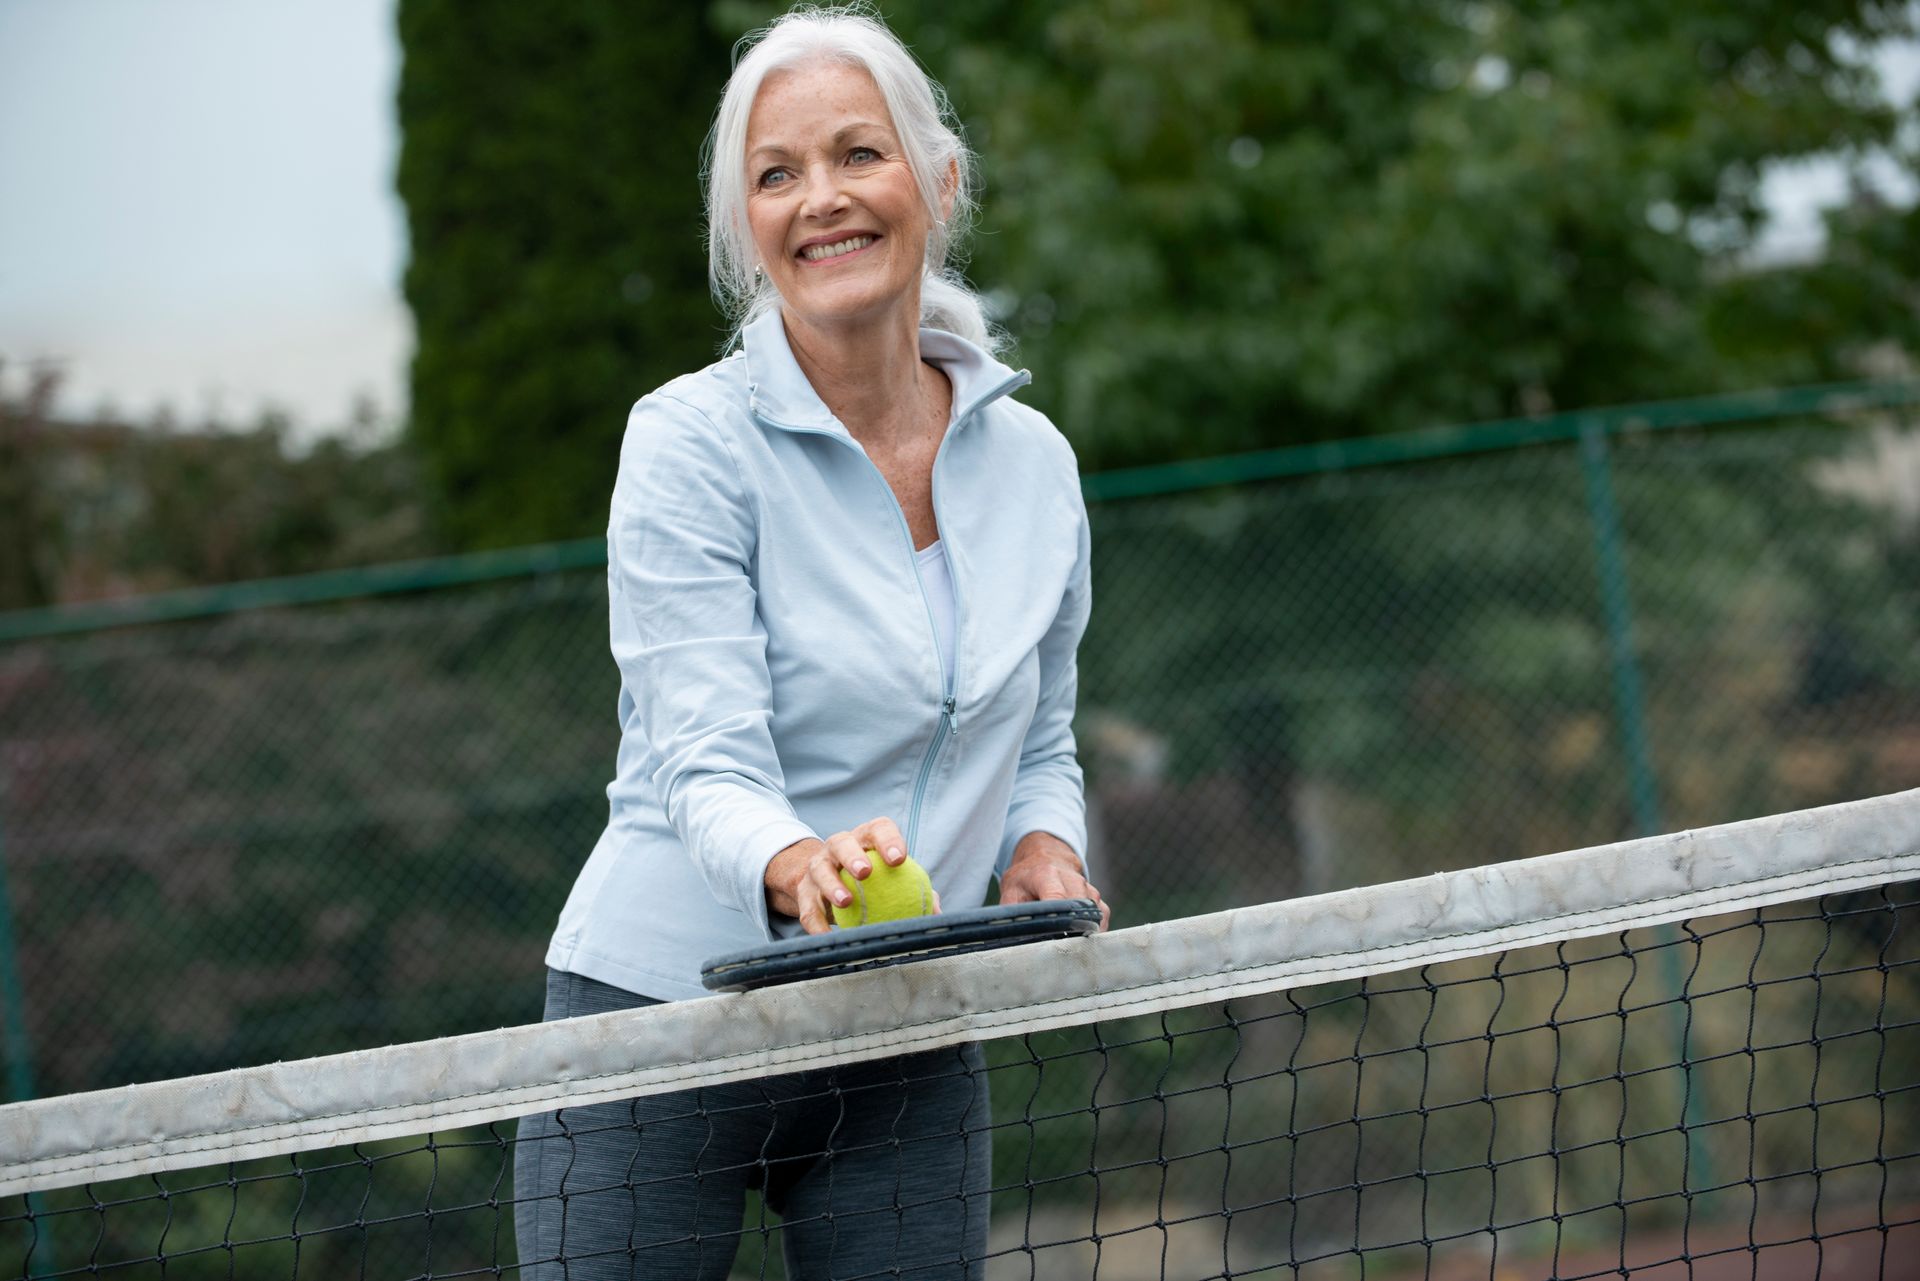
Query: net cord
(406, 1090)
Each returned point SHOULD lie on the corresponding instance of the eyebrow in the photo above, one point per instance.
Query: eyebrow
(840, 135)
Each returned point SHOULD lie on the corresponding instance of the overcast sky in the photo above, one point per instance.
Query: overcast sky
(199, 203)
(199, 210)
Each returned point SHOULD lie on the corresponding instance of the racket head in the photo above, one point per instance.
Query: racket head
(919, 938)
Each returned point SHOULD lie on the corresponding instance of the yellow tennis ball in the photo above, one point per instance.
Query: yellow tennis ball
(888, 894)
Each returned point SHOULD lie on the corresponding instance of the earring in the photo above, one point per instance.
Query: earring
(759, 276)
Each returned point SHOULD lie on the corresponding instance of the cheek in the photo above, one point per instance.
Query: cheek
(908, 218)
(767, 226)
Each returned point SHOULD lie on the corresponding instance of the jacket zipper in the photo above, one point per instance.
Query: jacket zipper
(949, 721)
(946, 726)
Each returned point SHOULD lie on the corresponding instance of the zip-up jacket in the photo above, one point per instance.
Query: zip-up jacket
(779, 673)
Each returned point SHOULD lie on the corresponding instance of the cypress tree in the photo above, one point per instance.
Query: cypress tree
(548, 167)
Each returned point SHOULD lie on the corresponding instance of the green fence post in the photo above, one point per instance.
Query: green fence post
(1617, 604)
(1630, 706)
(13, 1023)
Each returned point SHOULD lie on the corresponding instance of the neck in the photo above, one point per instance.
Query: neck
(868, 374)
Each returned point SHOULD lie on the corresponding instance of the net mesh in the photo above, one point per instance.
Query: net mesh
(1716, 1096)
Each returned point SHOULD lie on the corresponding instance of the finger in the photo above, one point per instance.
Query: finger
(1088, 890)
(1030, 884)
(850, 852)
(787, 870)
(813, 915)
(936, 901)
(1106, 913)
(823, 878)
(883, 835)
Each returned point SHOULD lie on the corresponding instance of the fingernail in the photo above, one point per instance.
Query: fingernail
(895, 852)
(861, 869)
(843, 898)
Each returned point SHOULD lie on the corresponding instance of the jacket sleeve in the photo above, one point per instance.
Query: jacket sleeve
(1049, 792)
(692, 650)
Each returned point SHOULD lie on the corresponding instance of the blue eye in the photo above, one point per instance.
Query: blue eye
(771, 177)
(863, 152)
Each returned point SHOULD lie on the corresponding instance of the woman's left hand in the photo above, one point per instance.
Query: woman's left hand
(1045, 867)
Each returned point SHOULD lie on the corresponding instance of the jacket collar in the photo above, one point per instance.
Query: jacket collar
(782, 396)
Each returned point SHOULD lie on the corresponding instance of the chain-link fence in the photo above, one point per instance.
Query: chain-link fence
(293, 819)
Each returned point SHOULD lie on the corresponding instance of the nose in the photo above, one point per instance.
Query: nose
(823, 196)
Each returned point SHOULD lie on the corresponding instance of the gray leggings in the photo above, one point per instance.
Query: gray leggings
(878, 1169)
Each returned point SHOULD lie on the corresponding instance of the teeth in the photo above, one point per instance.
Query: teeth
(814, 253)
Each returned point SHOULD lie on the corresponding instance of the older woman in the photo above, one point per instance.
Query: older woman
(848, 573)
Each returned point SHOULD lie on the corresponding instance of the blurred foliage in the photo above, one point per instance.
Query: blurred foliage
(102, 508)
(27, 526)
(547, 163)
(1218, 226)
(1211, 226)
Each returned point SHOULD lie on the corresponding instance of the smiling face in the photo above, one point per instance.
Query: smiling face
(837, 218)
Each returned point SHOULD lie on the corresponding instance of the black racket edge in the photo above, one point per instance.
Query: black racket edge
(869, 947)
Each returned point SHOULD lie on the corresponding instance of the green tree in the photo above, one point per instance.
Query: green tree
(1220, 226)
(101, 508)
(1853, 311)
(557, 273)
(27, 531)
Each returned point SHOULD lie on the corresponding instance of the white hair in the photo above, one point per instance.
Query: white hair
(851, 34)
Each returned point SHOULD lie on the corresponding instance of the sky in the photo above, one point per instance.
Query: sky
(199, 205)
(199, 212)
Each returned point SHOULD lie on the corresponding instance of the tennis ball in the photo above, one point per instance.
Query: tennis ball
(888, 894)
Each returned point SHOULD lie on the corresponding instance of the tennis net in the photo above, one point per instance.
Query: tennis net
(1694, 1055)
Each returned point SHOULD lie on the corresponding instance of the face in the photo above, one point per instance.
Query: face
(837, 218)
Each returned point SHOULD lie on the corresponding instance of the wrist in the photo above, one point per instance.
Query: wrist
(1045, 845)
(785, 871)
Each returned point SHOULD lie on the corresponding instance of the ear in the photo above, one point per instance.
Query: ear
(949, 187)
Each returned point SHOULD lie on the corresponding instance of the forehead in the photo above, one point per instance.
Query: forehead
(800, 106)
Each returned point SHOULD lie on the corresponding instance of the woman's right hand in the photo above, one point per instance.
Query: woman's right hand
(803, 880)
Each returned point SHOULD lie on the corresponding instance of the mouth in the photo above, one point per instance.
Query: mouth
(833, 250)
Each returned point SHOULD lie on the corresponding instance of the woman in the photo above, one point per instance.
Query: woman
(847, 577)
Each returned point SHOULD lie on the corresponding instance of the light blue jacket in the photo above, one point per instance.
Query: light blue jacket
(779, 676)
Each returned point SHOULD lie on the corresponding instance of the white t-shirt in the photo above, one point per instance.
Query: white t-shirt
(937, 581)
